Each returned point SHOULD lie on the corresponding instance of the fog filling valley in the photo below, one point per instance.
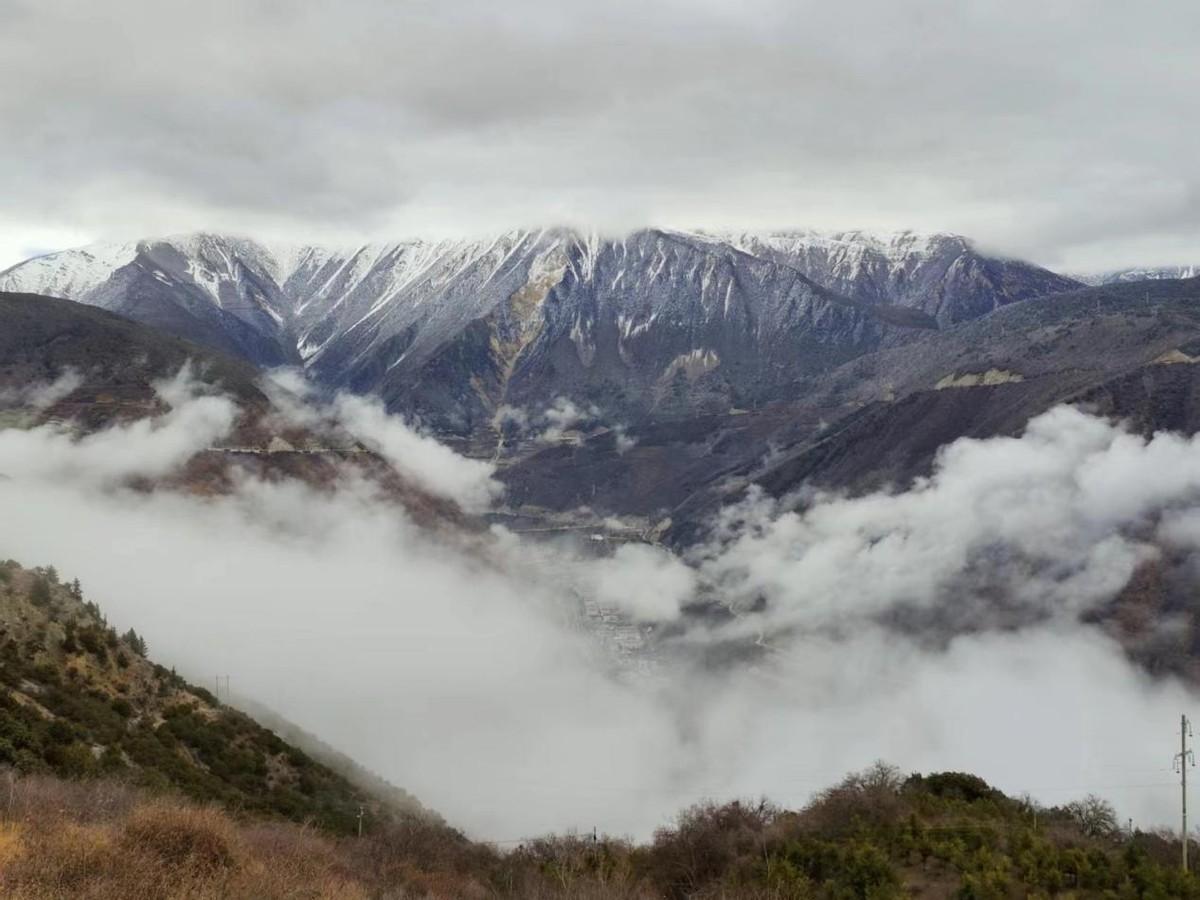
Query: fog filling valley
(937, 627)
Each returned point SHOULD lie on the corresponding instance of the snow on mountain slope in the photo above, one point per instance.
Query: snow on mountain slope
(532, 315)
(71, 274)
(1154, 273)
(454, 330)
(942, 275)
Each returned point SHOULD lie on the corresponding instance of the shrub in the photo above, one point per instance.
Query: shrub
(199, 838)
(39, 592)
(954, 786)
(1094, 816)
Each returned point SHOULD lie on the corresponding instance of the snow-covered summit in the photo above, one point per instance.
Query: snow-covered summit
(1140, 273)
(71, 274)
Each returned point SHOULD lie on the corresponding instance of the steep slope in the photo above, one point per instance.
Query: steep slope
(78, 700)
(662, 324)
(657, 324)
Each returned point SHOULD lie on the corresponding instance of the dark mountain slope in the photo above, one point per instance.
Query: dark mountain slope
(1110, 348)
(118, 360)
(118, 363)
(879, 419)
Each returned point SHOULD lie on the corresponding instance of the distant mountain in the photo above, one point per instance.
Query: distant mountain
(657, 324)
(942, 275)
(216, 291)
(1153, 273)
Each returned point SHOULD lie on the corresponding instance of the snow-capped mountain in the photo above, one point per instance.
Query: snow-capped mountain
(941, 275)
(456, 330)
(1153, 273)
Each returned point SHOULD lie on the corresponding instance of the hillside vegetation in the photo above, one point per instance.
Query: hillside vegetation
(77, 700)
(876, 835)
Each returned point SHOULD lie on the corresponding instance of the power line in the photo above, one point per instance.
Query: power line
(1183, 759)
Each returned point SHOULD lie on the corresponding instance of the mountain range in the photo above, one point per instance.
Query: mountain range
(655, 375)
(649, 382)
(657, 324)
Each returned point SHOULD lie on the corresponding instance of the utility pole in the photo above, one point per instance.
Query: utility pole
(1183, 759)
(360, 818)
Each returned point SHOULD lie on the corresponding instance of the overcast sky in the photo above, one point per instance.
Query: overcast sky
(1063, 131)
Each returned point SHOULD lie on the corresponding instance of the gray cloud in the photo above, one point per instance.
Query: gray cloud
(456, 667)
(1057, 131)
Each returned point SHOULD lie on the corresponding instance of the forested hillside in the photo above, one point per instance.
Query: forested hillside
(78, 700)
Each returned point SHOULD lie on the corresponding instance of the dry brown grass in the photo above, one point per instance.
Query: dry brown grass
(199, 840)
(108, 841)
(46, 799)
(104, 842)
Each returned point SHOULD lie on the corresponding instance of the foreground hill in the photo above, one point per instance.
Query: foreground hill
(79, 701)
(876, 835)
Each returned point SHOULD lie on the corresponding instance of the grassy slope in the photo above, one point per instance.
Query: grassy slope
(76, 700)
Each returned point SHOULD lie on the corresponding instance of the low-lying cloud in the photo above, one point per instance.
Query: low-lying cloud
(41, 395)
(459, 666)
(1054, 522)
(418, 457)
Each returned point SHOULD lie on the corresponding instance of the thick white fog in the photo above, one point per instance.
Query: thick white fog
(458, 667)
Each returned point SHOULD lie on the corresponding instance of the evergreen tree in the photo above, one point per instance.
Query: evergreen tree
(135, 641)
(39, 594)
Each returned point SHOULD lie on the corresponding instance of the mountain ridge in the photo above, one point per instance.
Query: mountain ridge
(454, 331)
